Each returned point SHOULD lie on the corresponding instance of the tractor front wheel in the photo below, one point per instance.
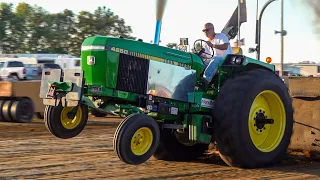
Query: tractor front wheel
(253, 117)
(136, 139)
(63, 123)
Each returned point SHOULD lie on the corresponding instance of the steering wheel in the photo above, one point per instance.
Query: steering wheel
(202, 50)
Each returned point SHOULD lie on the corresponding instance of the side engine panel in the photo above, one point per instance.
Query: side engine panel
(169, 81)
(144, 76)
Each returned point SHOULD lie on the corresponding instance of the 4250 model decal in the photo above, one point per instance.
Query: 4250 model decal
(145, 56)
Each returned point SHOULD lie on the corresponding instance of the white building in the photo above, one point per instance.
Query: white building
(302, 68)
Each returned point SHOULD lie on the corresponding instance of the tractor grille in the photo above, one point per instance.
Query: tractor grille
(132, 74)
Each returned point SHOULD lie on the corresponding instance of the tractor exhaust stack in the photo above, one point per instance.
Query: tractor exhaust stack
(161, 4)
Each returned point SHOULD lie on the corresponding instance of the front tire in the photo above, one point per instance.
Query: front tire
(136, 139)
(243, 139)
(60, 125)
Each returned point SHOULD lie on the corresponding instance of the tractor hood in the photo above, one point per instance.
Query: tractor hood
(104, 58)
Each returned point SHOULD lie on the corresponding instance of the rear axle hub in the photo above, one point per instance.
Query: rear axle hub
(261, 120)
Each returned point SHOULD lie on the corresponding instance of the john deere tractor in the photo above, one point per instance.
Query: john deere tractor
(246, 111)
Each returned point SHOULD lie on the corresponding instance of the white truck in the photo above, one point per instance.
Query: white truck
(12, 69)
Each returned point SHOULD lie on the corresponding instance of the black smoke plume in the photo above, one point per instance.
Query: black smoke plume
(314, 6)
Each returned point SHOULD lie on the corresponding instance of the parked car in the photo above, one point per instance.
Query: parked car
(12, 69)
(32, 71)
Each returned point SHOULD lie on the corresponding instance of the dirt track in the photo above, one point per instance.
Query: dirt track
(29, 151)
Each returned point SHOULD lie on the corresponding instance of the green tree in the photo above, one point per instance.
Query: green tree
(30, 29)
(101, 22)
(61, 31)
(6, 16)
(84, 28)
(20, 29)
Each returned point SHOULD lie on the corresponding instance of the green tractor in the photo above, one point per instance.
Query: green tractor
(246, 111)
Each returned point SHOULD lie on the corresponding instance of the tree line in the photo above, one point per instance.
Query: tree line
(32, 29)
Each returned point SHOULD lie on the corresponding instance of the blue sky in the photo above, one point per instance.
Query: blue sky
(185, 18)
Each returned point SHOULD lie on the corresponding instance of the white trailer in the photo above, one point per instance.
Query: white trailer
(68, 63)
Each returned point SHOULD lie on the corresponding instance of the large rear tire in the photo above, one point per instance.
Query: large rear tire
(243, 139)
(60, 125)
(170, 148)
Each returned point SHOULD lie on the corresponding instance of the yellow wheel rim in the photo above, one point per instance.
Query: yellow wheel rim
(141, 141)
(66, 121)
(268, 105)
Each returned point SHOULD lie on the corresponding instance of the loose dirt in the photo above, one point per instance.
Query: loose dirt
(29, 151)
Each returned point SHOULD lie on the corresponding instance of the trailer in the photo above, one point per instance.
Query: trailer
(68, 63)
(20, 101)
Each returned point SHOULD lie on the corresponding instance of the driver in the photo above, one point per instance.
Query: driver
(220, 43)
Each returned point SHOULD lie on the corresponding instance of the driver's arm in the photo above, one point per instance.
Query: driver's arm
(221, 46)
(224, 43)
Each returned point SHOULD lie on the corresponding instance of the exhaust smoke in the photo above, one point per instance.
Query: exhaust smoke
(161, 5)
(314, 5)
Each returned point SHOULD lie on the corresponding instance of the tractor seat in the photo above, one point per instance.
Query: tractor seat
(237, 50)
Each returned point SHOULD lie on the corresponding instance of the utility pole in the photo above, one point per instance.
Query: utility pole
(239, 17)
(257, 22)
(281, 48)
(282, 33)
